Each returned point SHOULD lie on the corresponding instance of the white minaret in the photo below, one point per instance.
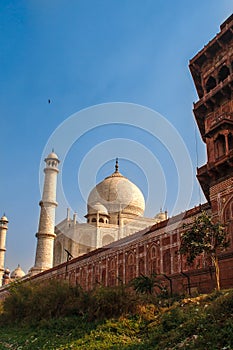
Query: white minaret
(3, 231)
(45, 235)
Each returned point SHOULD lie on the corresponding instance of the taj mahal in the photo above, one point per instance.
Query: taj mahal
(115, 210)
(117, 242)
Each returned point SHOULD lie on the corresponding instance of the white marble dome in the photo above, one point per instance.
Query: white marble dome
(17, 273)
(4, 218)
(52, 155)
(117, 194)
(98, 207)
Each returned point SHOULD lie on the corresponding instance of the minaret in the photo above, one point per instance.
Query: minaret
(3, 230)
(45, 235)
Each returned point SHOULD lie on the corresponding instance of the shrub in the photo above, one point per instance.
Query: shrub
(110, 302)
(30, 302)
(34, 302)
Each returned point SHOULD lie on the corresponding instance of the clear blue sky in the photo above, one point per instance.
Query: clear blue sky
(84, 53)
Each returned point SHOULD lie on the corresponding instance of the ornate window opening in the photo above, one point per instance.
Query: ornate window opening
(210, 84)
(101, 220)
(93, 220)
(223, 73)
(220, 146)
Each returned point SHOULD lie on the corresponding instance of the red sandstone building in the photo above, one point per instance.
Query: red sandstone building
(155, 250)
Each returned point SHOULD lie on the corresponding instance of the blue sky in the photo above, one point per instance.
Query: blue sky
(84, 53)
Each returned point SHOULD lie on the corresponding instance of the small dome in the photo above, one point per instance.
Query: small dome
(98, 207)
(52, 155)
(4, 218)
(17, 273)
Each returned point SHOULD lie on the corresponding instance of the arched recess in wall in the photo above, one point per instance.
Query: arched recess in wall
(141, 266)
(167, 262)
(89, 276)
(107, 239)
(175, 260)
(153, 252)
(219, 146)
(96, 276)
(223, 73)
(83, 275)
(154, 261)
(112, 264)
(210, 84)
(228, 210)
(103, 277)
(227, 215)
(120, 273)
(112, 272)
(85, 243)
(130, 266)
(57, 253)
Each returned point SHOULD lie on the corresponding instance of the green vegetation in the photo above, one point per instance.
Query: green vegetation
(145, 284)
(204, 236)
(57, 316)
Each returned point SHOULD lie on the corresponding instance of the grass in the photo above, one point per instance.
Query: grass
(203, 322)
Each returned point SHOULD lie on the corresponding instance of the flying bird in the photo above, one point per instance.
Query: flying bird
(49, 101)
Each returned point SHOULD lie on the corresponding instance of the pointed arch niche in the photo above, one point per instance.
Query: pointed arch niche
(219, 146)
(227, 215)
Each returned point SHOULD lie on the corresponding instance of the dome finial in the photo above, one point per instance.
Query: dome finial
(116, 166)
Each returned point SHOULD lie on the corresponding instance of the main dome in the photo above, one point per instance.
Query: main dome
(117, 194)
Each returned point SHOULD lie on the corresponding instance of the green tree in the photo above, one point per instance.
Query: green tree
(204, 236)
(145, 284)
